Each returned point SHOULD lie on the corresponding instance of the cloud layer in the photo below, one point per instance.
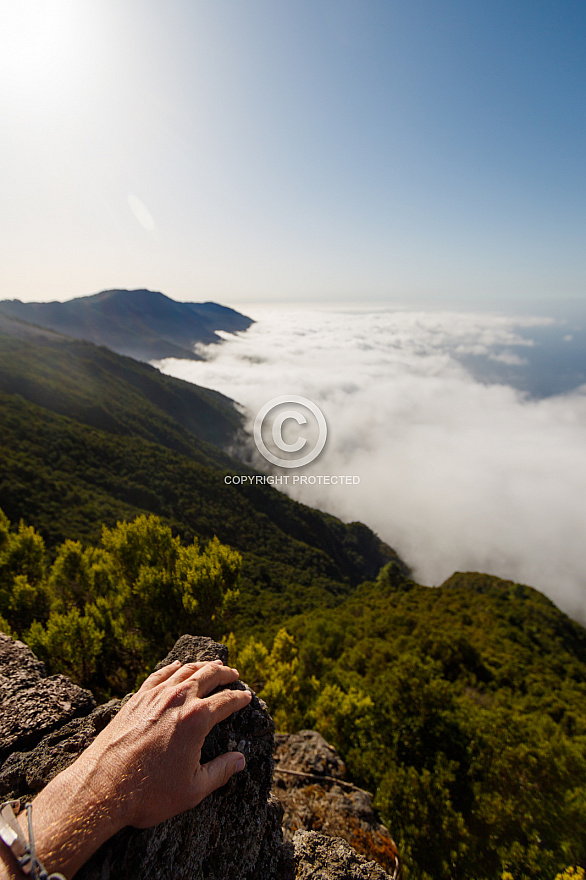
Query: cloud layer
(455, 474)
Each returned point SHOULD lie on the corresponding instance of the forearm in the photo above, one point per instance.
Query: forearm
(72, 817)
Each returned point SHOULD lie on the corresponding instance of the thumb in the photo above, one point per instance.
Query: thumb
(216, 773)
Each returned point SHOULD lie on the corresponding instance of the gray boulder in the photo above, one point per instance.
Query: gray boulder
(33, 704)
(234, 834)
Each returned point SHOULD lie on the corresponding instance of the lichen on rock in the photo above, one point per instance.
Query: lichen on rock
(319, 799)
(320, 857)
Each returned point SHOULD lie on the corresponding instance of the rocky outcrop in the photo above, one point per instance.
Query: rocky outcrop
(310, 783)
(319, 857)
(33, 704)
(307, 752)
(234, 834)
(23, 774)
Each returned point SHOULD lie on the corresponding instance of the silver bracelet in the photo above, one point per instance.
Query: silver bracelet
(24, 853)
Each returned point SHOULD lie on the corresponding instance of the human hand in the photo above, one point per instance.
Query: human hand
(143, 768)
(146, 762)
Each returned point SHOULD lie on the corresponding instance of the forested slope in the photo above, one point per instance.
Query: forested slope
(90, 437)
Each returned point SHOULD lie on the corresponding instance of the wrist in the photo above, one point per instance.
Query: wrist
(72, 818)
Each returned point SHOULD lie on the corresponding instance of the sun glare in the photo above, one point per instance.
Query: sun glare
(45, 49)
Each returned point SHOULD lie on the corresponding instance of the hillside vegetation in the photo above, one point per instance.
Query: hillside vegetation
(462, 707)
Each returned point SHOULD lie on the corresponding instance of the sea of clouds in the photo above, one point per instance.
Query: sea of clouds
(455, 473)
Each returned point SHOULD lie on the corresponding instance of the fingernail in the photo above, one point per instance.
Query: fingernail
(240, 764)
(218, 662)
(176, 663)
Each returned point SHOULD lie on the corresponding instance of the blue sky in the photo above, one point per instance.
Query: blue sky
(411, 153)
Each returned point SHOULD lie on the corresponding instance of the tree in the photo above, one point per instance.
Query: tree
(69, 643)
(274, 676)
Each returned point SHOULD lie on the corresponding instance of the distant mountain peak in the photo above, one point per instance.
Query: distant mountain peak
(143, 324)
(123, 294)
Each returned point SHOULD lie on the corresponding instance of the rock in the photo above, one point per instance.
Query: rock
(235, 833)
(319, 857)
(24, 774)
(327, 805)
(33, 704)
(187, 647)
(18, 665)
(308, 752)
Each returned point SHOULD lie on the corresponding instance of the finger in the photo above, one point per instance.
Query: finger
(216, 773)
(174, 672)
(189, 669)
(223, 704)
(208, 678)
(160, 675)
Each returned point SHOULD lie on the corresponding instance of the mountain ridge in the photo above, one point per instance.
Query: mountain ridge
(143, 324)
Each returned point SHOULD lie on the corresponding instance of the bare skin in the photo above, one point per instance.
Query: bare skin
(143, 768)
